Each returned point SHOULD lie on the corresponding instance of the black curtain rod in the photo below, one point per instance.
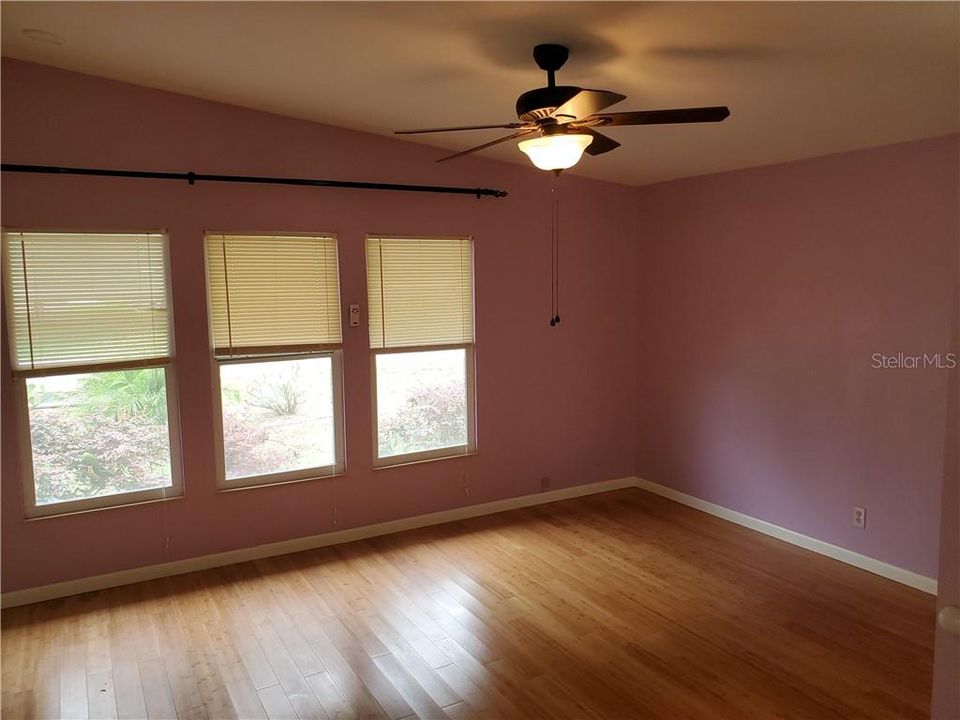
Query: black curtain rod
(192, 177)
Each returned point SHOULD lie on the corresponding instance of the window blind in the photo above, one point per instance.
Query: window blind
(420, 291)
(86, 299)
(273, 293)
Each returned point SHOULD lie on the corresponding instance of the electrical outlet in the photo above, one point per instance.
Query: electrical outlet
(859, 517)
(544, 482)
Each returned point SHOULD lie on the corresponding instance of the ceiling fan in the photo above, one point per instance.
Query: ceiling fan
(565, 119)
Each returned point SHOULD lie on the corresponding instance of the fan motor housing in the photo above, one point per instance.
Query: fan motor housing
(537, 104)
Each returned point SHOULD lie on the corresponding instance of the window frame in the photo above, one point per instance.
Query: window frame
(67, 507)
(286, 476)
(335, 353)
(444, 453)
(452, 451)
(34, 511)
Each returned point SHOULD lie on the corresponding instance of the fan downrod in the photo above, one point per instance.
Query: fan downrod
(550, 57)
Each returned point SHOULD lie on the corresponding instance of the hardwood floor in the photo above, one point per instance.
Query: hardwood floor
(621, 605)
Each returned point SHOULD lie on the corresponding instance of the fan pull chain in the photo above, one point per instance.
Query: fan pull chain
(554, 255)
(553, 260)
(556, 243)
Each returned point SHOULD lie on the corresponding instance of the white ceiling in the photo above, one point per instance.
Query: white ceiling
(802, 79)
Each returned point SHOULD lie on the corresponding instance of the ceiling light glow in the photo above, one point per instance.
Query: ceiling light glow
(556, 152)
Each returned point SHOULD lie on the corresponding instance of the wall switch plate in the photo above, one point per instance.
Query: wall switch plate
(859, 517)
(354, 316)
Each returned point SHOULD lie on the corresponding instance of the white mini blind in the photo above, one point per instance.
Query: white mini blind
(420, 291)
(273, 293)
(87, 299)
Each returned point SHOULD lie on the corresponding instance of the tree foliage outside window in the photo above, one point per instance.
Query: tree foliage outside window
(131, 394)
(281, 395)
(277, 416)
(249, 448)
(107, 433)
(98, 434)
(76, 455)
(432, 417)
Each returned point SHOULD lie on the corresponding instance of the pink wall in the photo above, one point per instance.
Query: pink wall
(555, 402)
(762, 297)
(946, 666)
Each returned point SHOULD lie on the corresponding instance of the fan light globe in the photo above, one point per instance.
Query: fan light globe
(556, 152)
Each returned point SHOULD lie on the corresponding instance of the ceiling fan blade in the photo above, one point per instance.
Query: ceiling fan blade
(507, 126)
(585, 103)
(520, 133)
(663, 117)
(601, 143)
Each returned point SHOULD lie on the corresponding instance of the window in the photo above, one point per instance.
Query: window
(275, 330)
(420, 293)
(91, 345)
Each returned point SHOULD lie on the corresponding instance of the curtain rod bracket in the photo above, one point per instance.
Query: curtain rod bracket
(191, 178)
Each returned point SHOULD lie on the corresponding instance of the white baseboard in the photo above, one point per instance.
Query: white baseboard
(878, 567)
(204, 562)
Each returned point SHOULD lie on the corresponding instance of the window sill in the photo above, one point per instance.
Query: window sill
(84, 510)
(421, 461)
(225, 488)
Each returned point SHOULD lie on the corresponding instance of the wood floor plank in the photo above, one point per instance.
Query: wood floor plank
(127, 688)
(459, 711)
(73, 684)
(46, 687)
(408, 688)
(219, 705)
(477, 674)
(387, 695)
(194, 713)
(97, 634)
(156, 690)
(334, 703)
(251, 654)
(348, 682)
(101, 699)
(299, 649)
(414, 663)
(461, 685)
(613, 606)
(294, 684)
(276, 703)
(246, 700)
